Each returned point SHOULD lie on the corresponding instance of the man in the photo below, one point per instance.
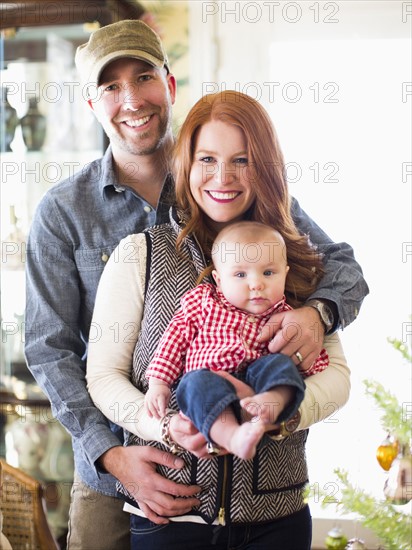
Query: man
(76, 227)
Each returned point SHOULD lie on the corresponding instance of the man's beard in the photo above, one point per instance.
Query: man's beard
(143, 145)
(135, 148)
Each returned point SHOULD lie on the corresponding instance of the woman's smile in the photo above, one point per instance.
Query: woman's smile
(219, 180)
(223, 196)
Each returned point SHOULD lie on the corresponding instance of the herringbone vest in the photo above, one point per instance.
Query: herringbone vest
(237, 491)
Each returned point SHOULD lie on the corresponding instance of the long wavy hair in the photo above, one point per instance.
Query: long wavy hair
(266, 172)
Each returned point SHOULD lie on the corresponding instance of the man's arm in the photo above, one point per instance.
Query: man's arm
(55, 338)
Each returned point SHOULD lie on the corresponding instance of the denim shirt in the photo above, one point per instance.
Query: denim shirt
(76, 227)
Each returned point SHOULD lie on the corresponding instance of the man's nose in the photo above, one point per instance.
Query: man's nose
(131, 98)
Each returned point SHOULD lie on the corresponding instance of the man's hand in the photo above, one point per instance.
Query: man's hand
(135, 468)
(299, 330)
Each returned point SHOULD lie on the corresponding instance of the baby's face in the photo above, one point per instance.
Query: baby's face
(251, 275)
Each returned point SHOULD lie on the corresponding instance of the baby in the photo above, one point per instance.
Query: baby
(217, 328)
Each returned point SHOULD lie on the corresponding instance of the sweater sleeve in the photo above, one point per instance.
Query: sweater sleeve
(326, 391)
(115, 327)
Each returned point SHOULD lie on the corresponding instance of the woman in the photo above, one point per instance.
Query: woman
(228, 167)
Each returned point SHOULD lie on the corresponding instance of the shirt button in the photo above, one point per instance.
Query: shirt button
(105, 257)
(251, 320)
(147, 209)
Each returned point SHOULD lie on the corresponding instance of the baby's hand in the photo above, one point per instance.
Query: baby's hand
(157, 398)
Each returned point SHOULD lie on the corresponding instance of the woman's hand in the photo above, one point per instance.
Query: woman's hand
(243, 391)
(298, 333)
(184, 433)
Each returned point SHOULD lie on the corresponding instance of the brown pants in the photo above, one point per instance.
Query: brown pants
(96, 521)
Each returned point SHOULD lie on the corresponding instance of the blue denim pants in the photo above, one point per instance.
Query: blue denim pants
(203, 395)
(292, 532)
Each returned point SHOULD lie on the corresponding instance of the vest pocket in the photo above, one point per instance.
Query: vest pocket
(281, 465)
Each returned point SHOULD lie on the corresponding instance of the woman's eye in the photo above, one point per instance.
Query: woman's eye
(241, 160)
(206, 159)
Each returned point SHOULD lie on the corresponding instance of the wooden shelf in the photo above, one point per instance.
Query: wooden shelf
(34, 13)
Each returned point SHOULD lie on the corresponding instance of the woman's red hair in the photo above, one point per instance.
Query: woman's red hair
(266, 170)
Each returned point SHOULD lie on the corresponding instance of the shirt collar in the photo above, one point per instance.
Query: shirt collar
(107, 176)
(108, 180)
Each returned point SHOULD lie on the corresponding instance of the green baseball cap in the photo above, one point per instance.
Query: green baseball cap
(128, 38)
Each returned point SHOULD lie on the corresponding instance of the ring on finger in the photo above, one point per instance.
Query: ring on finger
(298, 356)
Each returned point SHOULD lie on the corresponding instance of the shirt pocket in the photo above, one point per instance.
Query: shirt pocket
(90, 263)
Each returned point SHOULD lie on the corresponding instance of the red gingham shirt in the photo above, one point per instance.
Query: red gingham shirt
(208, 332)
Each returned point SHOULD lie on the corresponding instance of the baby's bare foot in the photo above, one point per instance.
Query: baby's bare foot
(244, 440)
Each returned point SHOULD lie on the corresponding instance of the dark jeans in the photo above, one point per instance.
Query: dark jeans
(202, 395)
(293, 532)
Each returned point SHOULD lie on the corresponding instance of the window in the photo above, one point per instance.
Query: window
(347, 152)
